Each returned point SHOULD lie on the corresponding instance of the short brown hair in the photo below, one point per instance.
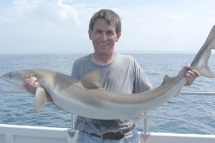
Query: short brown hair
(109, 16)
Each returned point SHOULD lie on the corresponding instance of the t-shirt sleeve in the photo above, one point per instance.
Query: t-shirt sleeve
(74, 73)
(141, 82)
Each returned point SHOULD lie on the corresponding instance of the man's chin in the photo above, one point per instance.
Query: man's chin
(104, 52)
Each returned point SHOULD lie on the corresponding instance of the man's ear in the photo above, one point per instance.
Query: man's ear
(118, 36)
(90, 33)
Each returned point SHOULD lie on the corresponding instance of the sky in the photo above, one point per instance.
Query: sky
(61, 26)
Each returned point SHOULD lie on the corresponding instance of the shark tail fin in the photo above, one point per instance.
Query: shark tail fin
(210, 41)
(209, 45)
(210, 38)
(41, 98)
(205, 71)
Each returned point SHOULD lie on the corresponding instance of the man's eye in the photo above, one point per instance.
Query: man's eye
(109, 33)
(99, 32)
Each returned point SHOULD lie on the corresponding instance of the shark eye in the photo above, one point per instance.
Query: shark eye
(10, 75)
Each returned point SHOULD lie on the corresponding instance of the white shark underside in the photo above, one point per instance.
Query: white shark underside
(86, 97)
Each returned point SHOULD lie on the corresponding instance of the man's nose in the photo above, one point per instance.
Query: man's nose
(104, 36)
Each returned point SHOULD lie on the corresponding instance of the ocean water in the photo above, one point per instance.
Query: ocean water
(185, 114)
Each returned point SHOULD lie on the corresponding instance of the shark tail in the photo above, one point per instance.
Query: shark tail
(205, 71)
(209, 45)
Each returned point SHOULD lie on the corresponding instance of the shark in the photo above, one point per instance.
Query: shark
(86, 97)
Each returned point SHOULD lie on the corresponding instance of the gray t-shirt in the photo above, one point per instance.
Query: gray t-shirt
(122, 75)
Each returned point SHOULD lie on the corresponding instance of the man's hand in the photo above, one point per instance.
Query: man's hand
(191, 75)
(31, 84)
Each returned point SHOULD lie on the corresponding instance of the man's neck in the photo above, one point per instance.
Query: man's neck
(102, 59)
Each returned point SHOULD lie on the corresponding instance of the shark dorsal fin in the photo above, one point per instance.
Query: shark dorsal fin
(91, 80)
(166, 79)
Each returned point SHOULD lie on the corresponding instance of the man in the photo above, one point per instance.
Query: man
(119, 74)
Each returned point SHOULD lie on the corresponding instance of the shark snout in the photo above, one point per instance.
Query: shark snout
(2, 77)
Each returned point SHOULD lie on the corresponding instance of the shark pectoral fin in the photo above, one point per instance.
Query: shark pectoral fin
(205, 71)
(136, 118)
(91, 80)
(41, 98)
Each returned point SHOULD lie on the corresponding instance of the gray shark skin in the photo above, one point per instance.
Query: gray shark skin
(86, 97)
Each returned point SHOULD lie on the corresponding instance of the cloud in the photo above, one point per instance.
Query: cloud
(163, 27)
(62, 25)
(37, 26)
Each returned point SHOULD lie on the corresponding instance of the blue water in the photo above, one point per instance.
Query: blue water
(184, 114)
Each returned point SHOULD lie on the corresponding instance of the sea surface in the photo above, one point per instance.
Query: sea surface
(188, 114)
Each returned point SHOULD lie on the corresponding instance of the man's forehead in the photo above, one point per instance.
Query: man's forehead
(102, 29)
(101, 24)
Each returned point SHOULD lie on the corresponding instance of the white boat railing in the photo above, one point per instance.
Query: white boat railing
(37, 134)
(25, 134)
(145, 113)
(13, 92)
(182, 93)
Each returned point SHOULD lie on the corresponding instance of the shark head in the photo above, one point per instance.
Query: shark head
(15, 78)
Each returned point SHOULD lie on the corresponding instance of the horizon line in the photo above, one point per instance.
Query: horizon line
(88, 52)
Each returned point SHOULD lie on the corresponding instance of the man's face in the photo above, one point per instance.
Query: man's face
(103, 37)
